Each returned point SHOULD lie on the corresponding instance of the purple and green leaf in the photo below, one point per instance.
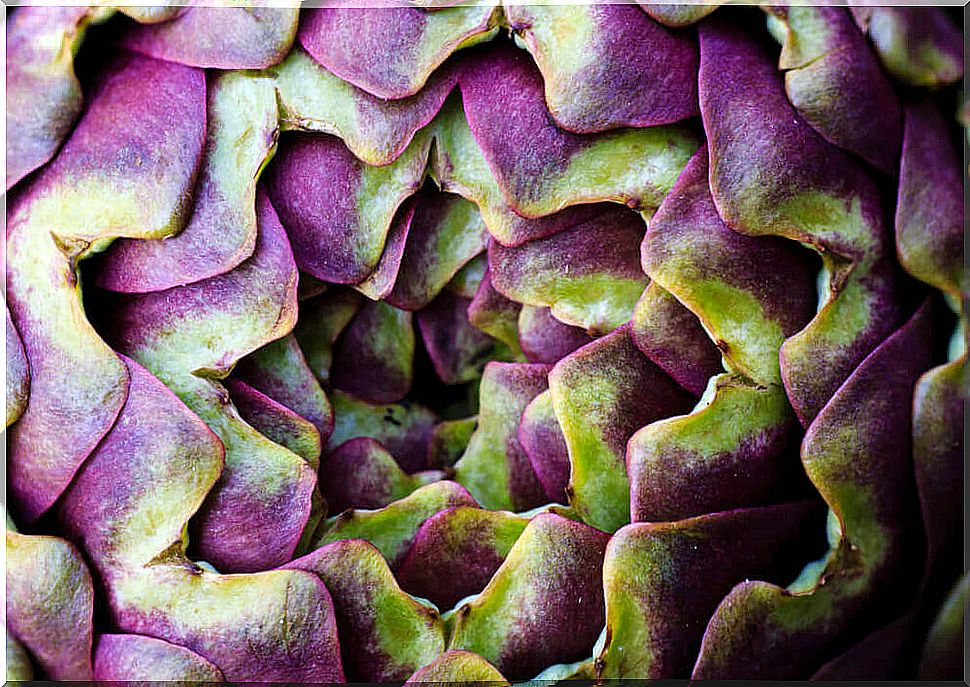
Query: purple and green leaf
(105, 183)
(772, 174)
(929, 207)
(373, 358)
(448, 440)
(457, 349)
(279, 370)
(920, 46)
(240, 138)
(459, 166)
(750, 293)
(453, 667)
(615, 66)
(273, 626)
(125, 658)
(233, 35)
(340, 218)
(495, 467)
(43, 95)
(603, 393)
(836, 83)
(857, 454)
(380, 282)
(50, 604)
(275, 421)
(385, 633)
(542, 169)
(192, 336)
(124, 512)
(543, 441)
(362, 474)
(131, 518)
(588, 275)
(938, 421)
(18, 373)
(404, 428)
(456, 552)
(445, 234)
(321, 320)
(664, 580)
(674, 339)
(543, 606)
(391, 52)
(392, 529)
(375, 130)
(544, 339)
(495, 314)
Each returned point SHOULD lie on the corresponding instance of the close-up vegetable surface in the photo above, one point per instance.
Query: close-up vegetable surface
(484, 342)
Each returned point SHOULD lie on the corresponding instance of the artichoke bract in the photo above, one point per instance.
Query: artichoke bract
(484, 342)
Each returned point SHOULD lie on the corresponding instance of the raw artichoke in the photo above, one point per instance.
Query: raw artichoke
(484, 343)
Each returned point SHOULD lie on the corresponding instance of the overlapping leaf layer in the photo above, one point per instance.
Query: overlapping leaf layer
(484, 343)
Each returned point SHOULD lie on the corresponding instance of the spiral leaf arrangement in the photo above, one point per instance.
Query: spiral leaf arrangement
(484, 343)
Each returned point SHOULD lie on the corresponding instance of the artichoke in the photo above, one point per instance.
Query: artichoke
(484, 343)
